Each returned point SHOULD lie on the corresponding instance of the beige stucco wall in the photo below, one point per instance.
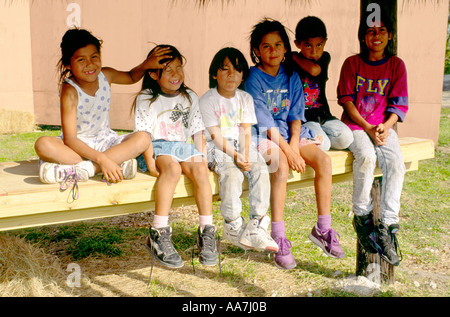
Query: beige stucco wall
(129, 28)
(422, 31)
(16, 81)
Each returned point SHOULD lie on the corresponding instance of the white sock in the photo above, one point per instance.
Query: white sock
(160, 221)
(205, 220)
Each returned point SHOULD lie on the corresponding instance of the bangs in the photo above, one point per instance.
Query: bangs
(238, 63)
(236, 59)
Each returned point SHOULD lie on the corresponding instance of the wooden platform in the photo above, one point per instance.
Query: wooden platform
(26, 202)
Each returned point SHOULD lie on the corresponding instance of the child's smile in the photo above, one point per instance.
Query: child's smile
(92, 72)
(171, 78)
(86, 64)
(377, 38)
(176, 82)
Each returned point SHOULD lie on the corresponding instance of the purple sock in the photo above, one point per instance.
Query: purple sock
(324, 222)
(278, 229)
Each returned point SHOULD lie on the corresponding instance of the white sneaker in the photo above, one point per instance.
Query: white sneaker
(52, 173)
(129, 169)
(86, 166)
(255, 235)
(232, 232)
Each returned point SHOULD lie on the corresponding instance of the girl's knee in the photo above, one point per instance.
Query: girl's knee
(276, 162)
(201, 170)
(45, 145)
(323, 164)
(198, 172)
(142, 140)
(171, 170)
(281, 174)
(42, 142)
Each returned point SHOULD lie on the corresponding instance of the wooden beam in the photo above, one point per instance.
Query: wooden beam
(25, 201)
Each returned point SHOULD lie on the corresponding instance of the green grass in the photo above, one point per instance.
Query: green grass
(423, 236)
(20, 147)
(444, 128)
(82, 240)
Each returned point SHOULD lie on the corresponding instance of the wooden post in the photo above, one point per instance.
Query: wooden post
(371, 265)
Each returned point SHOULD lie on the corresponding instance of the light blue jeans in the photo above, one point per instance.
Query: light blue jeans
(336, 134)
(390, 161)
(231, 178)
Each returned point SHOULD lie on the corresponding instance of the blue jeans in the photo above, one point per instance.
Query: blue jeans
(391, 163)
(336, 134)
(231, 178)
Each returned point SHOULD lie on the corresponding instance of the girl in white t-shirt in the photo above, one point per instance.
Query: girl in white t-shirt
(228, 113)
(169, 111)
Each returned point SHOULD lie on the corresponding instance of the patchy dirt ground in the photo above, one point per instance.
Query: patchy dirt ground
(250, 274)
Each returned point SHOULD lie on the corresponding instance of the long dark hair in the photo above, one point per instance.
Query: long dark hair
(363, 26)
(151, 86)
(265, 26)
(73, 40)
(236, 58)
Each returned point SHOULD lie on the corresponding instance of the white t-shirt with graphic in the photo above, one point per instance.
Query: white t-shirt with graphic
(170, 118)
(227, 113)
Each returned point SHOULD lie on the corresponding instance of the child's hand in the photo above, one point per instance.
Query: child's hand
(153, 61)
(295, 160)
(382, 131)
(243, 162)
(112, 172)
(375, 135)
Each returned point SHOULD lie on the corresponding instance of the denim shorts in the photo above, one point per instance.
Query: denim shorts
(180, 151)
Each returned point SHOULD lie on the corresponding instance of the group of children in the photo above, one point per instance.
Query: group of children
(256, 122)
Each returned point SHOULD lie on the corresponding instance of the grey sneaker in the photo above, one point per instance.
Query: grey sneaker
(129, 169)
(232, 232)
(207, 245)
(159, 244)
(255, 235)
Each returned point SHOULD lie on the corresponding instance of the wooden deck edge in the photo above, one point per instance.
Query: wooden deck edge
(34, 212)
